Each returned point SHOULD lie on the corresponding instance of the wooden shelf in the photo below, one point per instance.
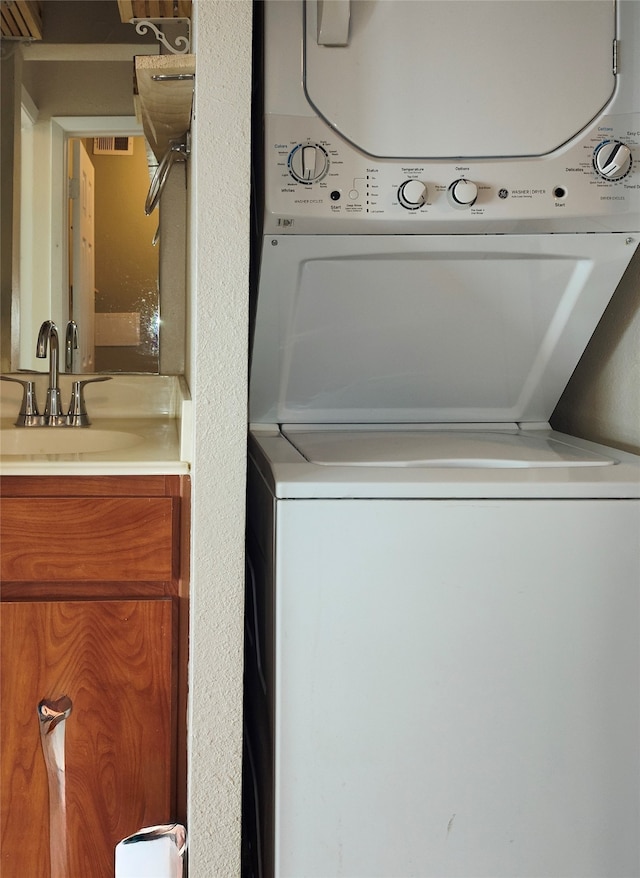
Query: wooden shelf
(164, 107)
(21, 19)
(153, 9)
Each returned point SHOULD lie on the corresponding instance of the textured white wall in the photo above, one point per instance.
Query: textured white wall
(217, 372)
(602, 400)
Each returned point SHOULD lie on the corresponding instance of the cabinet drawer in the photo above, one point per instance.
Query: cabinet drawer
(87, 539)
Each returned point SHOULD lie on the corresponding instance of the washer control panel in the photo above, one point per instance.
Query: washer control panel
(318, 184)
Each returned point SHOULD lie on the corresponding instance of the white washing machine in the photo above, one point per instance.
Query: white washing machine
(443, 614)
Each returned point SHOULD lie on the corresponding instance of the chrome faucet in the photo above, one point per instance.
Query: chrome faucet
(48, 337)
(53, 416)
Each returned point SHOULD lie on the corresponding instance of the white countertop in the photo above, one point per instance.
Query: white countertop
(153, 411)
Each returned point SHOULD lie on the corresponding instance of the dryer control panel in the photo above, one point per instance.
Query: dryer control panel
(316, 183)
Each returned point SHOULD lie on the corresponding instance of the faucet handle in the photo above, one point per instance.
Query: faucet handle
(28, 416)
(78, 416)
(70, 344)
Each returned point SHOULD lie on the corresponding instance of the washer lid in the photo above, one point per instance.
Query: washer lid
(438, 448)
(425, 329)
(459, 78)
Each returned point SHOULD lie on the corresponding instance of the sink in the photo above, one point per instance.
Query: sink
(63, 440)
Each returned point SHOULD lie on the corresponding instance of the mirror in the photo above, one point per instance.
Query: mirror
(58, 96)
(108, 284)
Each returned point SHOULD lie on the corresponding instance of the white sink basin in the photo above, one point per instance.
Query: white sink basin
(63, 440)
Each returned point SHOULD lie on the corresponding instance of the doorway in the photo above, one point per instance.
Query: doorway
(113, 256)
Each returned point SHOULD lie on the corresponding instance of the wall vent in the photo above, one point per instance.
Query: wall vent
(113, 145)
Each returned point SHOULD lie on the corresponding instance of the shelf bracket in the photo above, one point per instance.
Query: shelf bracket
(181, 45)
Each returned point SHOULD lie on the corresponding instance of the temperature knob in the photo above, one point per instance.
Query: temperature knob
(412, 194)
(308, 163)
(462, 193)
(612, 159)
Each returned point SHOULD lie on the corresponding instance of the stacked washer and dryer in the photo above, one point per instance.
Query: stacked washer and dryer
(443, 666)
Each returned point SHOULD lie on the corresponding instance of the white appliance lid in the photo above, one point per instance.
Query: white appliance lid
(441, 448)
(496, 78)
(426, 329)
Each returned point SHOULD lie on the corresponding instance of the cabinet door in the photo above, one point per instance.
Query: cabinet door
(115, 661)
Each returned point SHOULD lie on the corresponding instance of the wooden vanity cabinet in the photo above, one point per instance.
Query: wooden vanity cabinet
(93, 606)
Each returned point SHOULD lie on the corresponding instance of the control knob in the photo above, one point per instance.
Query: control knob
(462, 193)
(308, 162)
(412, 194)
(612, 159)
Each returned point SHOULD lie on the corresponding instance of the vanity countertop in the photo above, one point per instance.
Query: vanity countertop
(139, 426)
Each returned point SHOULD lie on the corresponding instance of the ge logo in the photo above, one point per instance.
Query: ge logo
(503, 193)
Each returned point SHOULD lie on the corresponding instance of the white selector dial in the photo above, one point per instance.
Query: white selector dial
(463, 193)
(612, 159)
(308, 162)
(412, 194)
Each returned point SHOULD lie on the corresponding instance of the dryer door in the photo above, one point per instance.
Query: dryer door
(463, 79)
